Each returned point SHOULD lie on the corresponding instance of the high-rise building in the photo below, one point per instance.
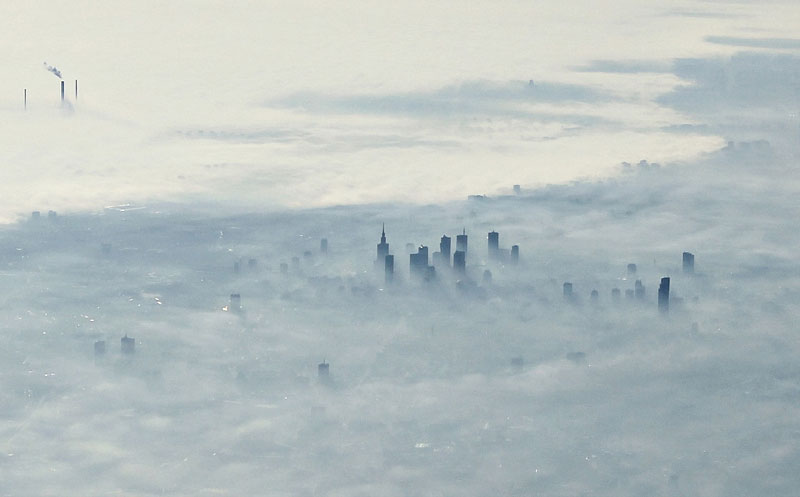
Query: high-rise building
(631, 268)
(388, 268)
(663, 295)
(444, 248)
(494, 245)
(461, 242)
(595, 295)
(639, 290)
(688, 263)
(383, 247)
(127, 345)
(487, 277)
(615, 295)
(517, 189)
(323, 370)
(323, 246)
(100, 347)
(567, 290)
(418, 263)
(459, 262)
(515, 254)
(236, 303)
(628, 294)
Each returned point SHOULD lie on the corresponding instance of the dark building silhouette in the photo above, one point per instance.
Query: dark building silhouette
(284, 268)
(494, 245)
(461, 242)
(100, 347)
(418, 263)
(567, 290)
(383, 247)
(323, 246)
(517, 190)
(459, 262)
(595, 295)
(252, 264)
(629, 294)
(323, 370)
(236, 267)
(663, 295)
(514, 254)
(127, 345)
(52, 215)
(36, 215)
(517, 363)
(688, 263)
(444, 249)
(615, 295)
(430, 273)
(639, 290)
(388, 268)
(236, 303)
(487, 277)
(631, 268)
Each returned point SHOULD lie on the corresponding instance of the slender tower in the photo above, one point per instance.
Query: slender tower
(62, 90)
(76, 89)
(663, 296)
(25, 98)
(383, 247)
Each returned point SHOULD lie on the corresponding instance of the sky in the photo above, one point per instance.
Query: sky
(208, 133)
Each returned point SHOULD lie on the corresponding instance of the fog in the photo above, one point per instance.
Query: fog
(618, 145)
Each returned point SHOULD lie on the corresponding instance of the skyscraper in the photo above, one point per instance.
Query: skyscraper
(383, 247)
(688, 263)
(388, 268)
(127, 345)
(461, 242)
(494, 245)
(418, 263)
(639, 290)
(444, 249)
(514, 254)
(663, 296)
(567, 290)
(459, 262)
(323, 246)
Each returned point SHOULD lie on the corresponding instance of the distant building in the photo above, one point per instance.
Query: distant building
(494, 245)
(100, 347)
(418, 263)
(517, 363)
(688, 263)
(323, 246)
(461, 242)
(615, 295)
(459, 262)
(383, 247)
(252, 264)
(487, 277)
(567, 290)
(36, 215)
(127, 345)
(52, 215)
(323, 370)
(430, 273)
(631, 268)
(515, 254)
(629, 294)
(236, 267)
(444, 248)
(663, 296)
(595, 295)
(517, 190)
(639, 290)
(388, 268)
(284, 268)
(236, 303)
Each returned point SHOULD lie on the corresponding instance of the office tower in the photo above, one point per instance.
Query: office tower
(52, 215)
(567, 290)
(252, 264)
(236, 267)
(595, 295)
(430, 273)
(487, 277)
(639, 290)
(517, 190)
(388, 268)
(629, 294)
(631, 268)
(323, 370)
(688, 263)
(284, 268)
(323, 246)
(418, 263)
(127, 345)
(461, 243)
(459, 262)
(444, 248)
(494, 245)
(515, 254)
(236, 303)
(517, 363)
(100, 347)
(383, 247)
(35, 215)
(615, 295)
(663, 296)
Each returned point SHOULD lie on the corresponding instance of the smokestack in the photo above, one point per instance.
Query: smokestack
(62, 90)
(25, 98)
(76, 89)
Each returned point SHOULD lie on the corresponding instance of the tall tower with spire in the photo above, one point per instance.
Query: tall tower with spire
(383, 247)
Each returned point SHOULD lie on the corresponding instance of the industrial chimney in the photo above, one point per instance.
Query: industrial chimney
(76, 89)
(62, 90)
